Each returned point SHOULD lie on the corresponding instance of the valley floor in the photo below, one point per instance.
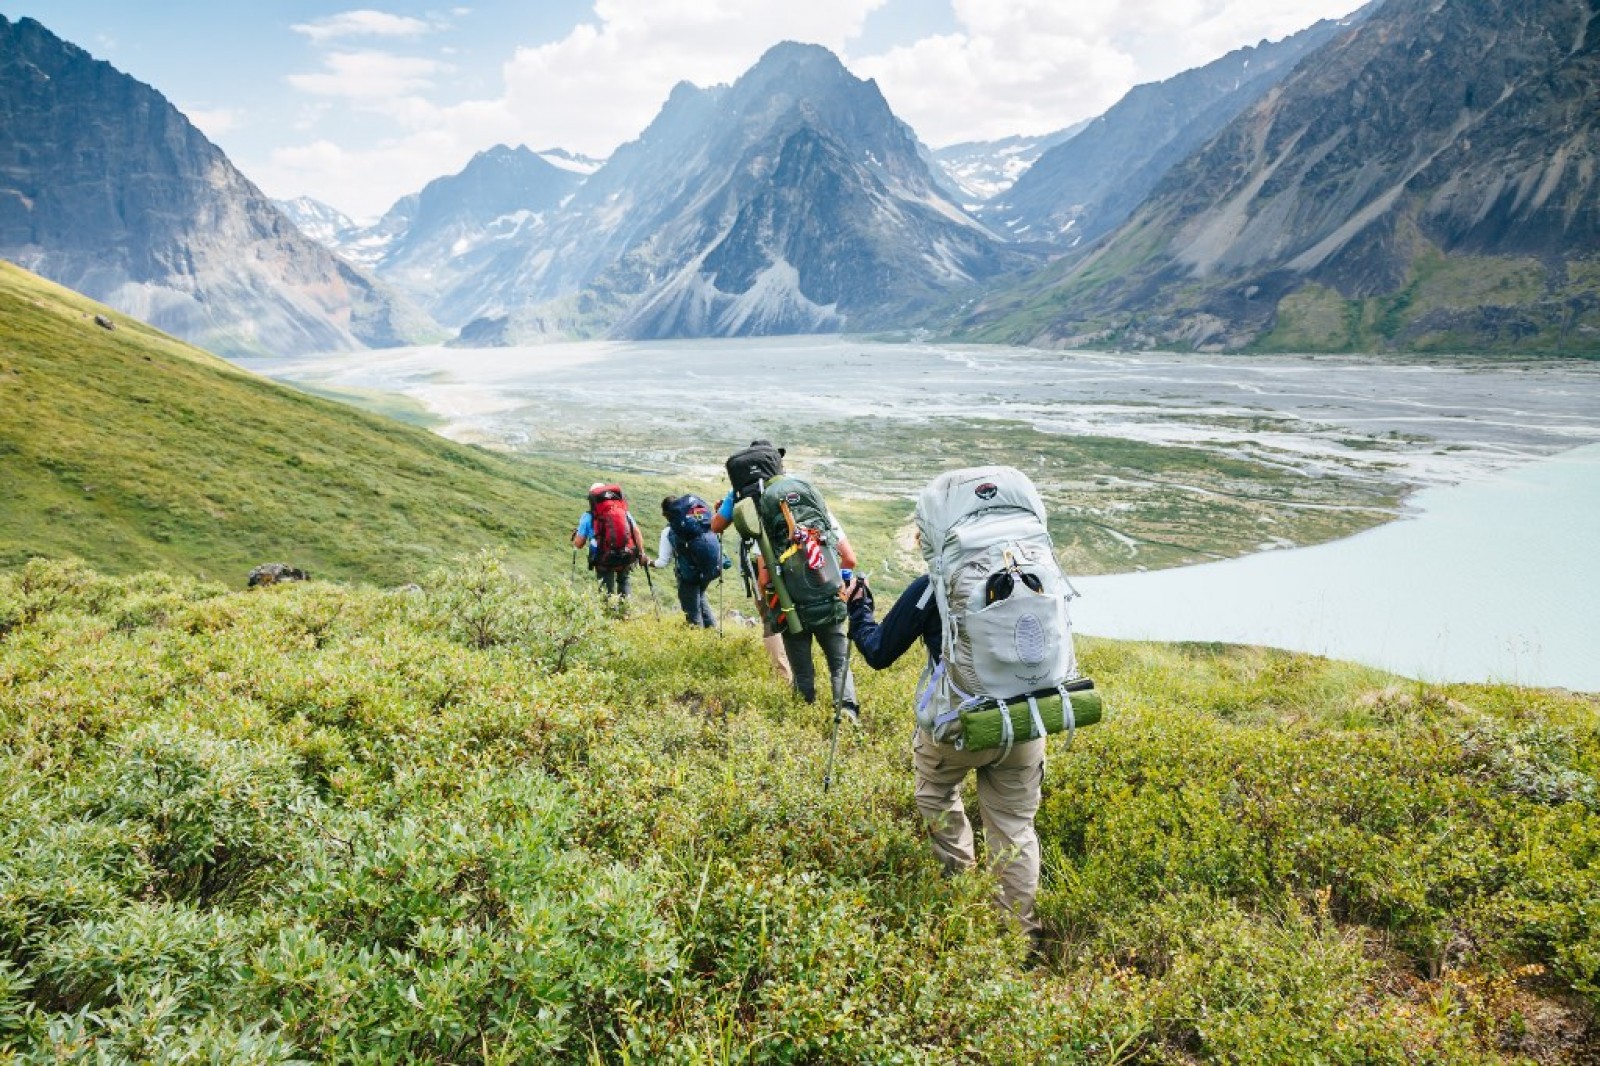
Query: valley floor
(482, 820)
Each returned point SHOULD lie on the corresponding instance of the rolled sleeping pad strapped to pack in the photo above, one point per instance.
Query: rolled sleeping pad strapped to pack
(748, 522)
(983, 729)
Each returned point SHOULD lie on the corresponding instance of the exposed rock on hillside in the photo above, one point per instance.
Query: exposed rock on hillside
(106, 188)
(1088, 184)
(1428, 180)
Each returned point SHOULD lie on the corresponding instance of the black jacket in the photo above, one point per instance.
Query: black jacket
(880, 644)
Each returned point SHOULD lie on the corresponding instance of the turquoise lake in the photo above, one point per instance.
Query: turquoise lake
(1495, 579)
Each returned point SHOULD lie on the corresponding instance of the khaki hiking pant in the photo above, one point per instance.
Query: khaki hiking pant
(1008, 798)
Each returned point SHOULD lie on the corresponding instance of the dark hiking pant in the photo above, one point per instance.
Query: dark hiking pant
(696, 605)
(835, 649)
(614, 581)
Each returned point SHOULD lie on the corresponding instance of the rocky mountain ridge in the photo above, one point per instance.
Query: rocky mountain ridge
(1088, 184)
(983, 170)
(421, 245)
(790, 201)
(1429, 180)
(107, 188)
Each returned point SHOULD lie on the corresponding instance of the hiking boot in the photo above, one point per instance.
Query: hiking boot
(851, 710)
(1038, 954)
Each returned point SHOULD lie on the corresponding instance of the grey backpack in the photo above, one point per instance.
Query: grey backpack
(1002, 599)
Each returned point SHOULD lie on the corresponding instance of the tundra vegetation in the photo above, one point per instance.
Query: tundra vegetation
(487, 820)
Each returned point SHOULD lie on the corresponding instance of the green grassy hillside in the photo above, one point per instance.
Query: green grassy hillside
(133, 450)
(479, 822)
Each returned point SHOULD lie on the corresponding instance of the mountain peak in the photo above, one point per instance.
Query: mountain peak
(506, 152)
(800, 52)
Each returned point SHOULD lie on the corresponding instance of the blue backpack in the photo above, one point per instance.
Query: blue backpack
(697, 552)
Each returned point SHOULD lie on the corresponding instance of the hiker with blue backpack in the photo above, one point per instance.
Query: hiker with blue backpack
(1001, 673)
(694, 553)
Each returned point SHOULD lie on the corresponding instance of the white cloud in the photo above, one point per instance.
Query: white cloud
(363, 183)
(363, 23)
(214, 121)
(589, 91)
(1030, 66)
(1010, 66)
(369, 76)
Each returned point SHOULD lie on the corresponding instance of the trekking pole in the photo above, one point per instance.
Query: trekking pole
(722, 587)
(833, 748)
(650, 581)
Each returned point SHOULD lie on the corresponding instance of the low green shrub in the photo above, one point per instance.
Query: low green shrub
(486, 821)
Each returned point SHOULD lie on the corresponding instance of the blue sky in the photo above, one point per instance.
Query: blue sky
(358, 105)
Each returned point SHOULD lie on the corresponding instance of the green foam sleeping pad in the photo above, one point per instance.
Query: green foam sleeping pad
(980, 730)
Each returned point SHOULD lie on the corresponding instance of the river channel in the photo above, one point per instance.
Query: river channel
(1490, 573)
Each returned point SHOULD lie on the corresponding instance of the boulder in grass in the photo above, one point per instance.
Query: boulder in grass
(272, 573)
(104, 323)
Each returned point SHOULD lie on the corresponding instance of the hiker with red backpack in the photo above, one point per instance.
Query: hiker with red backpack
(612, 536)
(803, 554)
(695, 554)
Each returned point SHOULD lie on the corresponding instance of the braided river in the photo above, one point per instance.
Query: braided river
(1490, 570)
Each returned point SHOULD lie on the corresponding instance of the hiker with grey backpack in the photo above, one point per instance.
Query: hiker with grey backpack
(803, 553)
(1001, 673)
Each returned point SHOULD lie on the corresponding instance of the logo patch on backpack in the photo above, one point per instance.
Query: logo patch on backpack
(792, 498)
(987, 490)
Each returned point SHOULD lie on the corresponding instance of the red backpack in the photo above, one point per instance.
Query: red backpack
(615, 547)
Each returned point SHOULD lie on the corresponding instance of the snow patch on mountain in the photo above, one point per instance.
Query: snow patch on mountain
(982, 170)
(578, 164)
(316, 219)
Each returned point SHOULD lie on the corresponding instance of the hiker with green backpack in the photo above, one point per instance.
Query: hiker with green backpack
(804, 554)
(1001, 673)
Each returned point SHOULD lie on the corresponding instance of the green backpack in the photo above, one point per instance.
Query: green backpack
(798, 526)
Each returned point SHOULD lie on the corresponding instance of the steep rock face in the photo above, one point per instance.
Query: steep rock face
(792, 200)
(1428, 180)
(1088, 185)
(108, 189)
(493, 198)
(777, 267)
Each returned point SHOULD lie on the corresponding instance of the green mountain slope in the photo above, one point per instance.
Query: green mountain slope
(132, 450)
(479, 823)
